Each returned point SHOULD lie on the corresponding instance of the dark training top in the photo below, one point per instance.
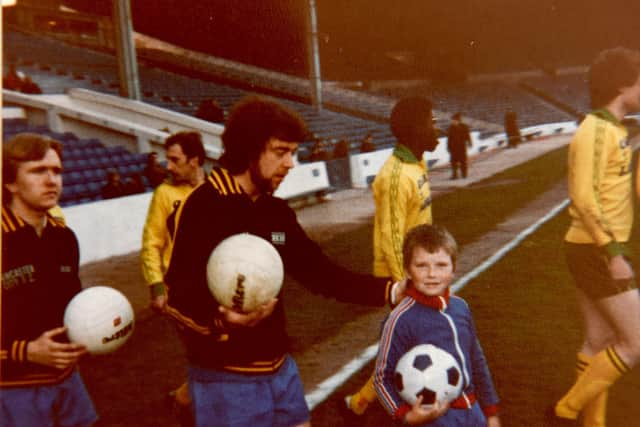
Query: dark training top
(218, 209)
(39, 278)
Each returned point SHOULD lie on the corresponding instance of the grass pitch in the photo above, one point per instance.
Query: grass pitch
(530, 327)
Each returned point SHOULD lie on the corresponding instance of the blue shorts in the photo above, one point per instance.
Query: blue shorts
(225, 399)
(472, 417)
(61, 405)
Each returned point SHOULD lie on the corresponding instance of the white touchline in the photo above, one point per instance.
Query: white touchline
(323, 390)
(462, 282)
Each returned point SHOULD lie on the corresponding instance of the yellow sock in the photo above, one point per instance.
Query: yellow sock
(360, 400)
(606, 367)
(594, 413)
(182, 395)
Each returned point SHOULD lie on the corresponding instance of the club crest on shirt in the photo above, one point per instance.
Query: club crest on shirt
(18, 276)
(278, 238)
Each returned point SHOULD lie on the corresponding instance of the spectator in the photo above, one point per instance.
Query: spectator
(458, 139)
(319, 151)
(13, 79)
(341, 149)
(154, 171)
(511, 129)
(114, 186)
(367, 144)
(134, 184)
(30, 87)
(210, 111)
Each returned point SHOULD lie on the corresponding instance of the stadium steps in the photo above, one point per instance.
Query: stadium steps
(159, 86)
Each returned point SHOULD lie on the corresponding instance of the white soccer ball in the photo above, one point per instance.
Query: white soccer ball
(99, 317)
(430, 372)
(244, 271)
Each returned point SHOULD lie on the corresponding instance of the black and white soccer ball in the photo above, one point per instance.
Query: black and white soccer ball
(428, 371)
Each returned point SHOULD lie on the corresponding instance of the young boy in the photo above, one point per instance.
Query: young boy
(402, 197)
(430, 315)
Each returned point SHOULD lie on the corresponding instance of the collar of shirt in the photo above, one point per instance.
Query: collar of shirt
(605, 114)
(404, 153)
(436, 302)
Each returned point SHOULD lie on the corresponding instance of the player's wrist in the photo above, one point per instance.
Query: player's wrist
(401, 413)
(613, 249)
(28, 352)
(157, 289)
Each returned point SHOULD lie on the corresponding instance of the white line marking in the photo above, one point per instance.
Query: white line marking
(328, 386)
(462, 282)
(323, 390)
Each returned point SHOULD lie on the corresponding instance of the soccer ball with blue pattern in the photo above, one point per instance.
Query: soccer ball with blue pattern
(428, 371)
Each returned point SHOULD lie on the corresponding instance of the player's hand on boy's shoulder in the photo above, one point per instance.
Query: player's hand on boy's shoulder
(399, 291)
(44, 350)
(493, 421)
(236, 318)
(420, 414)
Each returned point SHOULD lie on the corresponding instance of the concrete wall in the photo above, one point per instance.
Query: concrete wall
(365, 166)
(114, 227)
(109, 227)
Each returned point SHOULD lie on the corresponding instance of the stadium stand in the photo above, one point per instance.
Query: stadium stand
(487, 101)
(180, 83)
(161, 88)
(569, 91)
(85, 161)
(356, 112)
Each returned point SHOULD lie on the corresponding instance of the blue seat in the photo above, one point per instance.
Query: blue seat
(81, 164)
(93, 163)
(94, 190)
(69, 194)
(123, 170)
(117, 150)
(69, 137)
(129, 159)
(89, 175)
(70, 165)
(81, 191)
(93, 143)
(72, 178)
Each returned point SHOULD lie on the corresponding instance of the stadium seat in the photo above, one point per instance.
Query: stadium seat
(94, 190)
(72, 178)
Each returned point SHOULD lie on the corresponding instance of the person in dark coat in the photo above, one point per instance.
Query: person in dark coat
(458, 139)
(511, 129)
